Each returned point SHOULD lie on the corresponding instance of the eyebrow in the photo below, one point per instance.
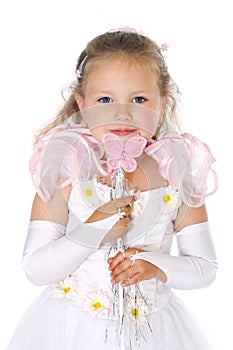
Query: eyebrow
(138, 92)
(108, 92)
(102, 92)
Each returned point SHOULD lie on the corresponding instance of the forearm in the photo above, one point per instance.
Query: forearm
(183, 272)
(52, 252)
(195, 267)
(49, 256)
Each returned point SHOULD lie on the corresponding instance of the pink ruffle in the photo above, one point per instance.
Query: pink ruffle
(69, 152)
(62, 155)
(186, 163)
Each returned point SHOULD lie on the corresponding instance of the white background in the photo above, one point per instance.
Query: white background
(40, 42)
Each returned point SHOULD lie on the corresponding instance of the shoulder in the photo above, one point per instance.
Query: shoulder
(58, 157)
(187, 164)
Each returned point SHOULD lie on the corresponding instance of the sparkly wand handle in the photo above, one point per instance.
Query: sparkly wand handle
(120, 189)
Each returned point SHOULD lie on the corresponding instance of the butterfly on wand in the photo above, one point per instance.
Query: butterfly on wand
(123, 154)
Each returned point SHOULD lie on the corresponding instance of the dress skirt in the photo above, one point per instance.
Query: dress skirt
(51, 323)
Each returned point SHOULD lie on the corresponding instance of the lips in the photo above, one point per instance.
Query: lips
(122, 132)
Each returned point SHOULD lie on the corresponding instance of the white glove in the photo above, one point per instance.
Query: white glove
(50, 255)
(196, 265)
(90, 234)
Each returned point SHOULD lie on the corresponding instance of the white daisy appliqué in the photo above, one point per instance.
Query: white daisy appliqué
(89, 195)
(67, 289)
(170, 199)
(97, 303)
(137, 311)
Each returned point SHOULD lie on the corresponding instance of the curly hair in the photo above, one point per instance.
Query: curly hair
(138, 46)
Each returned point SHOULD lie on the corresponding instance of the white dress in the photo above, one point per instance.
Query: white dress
(77, 313)
(80, 311)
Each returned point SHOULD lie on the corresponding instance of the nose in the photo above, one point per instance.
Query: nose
(123, 113)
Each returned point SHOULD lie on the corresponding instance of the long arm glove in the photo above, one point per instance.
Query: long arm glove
(50, 255)
(196, 265)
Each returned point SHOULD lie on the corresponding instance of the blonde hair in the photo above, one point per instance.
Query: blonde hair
(132, 44)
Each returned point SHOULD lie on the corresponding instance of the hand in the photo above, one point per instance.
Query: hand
(111, 208)
(129, 272)
(120, 228)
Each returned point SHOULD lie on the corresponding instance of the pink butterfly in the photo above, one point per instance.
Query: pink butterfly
(123, 154)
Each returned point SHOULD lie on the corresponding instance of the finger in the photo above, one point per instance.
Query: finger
(123, 201)
(127, 210)
(113, 262)
(126, 274)
(124, 221)
(110, 260)
(120, 268)
(136, 278)
(123, 255)
(112, 206)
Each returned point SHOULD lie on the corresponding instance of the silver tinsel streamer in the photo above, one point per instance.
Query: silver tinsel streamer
(119, 189)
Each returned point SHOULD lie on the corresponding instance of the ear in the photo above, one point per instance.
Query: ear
(80, 101)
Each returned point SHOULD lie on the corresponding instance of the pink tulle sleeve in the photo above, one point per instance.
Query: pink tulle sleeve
(186, 163)
(61, 156)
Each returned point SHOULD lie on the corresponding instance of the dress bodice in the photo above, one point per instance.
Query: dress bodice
(151, 229)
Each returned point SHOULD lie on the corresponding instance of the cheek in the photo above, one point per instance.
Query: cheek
(148, 125)
(97, 133)
(148, 135)
(96, 116)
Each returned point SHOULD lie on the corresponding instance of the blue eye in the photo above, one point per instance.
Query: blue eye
(105, 99)
(138, 99)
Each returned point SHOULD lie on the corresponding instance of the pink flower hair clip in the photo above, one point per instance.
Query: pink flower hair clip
(164, 47)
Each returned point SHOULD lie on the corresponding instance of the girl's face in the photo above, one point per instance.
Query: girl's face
(121, 97)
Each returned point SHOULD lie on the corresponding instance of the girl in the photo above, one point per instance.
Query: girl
(120, 116)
